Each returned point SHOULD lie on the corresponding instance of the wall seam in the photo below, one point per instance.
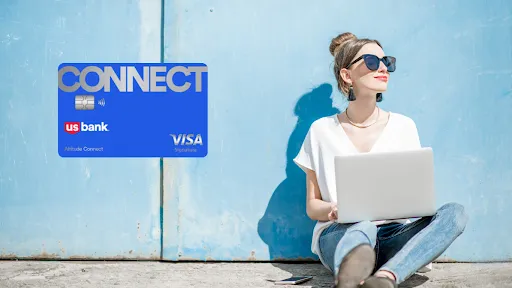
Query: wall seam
(162, 60)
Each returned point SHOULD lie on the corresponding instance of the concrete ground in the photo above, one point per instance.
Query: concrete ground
(160, 274)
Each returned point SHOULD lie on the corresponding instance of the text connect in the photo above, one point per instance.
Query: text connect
(124, 80)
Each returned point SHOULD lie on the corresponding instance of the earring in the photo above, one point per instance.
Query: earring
(351, 95)
(379, 97)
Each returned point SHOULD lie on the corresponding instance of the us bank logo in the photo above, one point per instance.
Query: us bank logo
(75, 127)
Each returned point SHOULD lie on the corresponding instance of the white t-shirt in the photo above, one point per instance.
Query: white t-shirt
(326, 138)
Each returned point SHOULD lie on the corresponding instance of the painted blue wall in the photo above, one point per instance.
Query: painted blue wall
(70, 208)
(270, 77)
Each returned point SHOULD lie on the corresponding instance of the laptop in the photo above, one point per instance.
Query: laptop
(385, 186)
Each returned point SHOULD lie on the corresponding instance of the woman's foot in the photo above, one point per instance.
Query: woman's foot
(379, 282)
(357, 265)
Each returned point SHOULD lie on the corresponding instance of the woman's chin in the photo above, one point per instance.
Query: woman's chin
(380, 88)
(377, 87)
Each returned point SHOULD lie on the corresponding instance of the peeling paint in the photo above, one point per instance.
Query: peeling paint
(253, 256)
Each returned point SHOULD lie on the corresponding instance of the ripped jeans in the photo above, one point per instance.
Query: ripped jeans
(400, 248)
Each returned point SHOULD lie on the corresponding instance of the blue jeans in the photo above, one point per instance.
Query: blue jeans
(400, 248)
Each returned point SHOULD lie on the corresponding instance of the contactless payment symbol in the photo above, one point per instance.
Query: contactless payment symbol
(154, 110)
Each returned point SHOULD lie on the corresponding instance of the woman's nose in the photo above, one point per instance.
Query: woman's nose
(382, 67)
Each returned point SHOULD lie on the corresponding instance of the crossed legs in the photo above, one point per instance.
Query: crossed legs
(399, 249)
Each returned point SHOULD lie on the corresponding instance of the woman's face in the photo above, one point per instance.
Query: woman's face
(365, 79)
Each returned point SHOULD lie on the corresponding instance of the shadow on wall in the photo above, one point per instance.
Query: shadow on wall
(285, 227)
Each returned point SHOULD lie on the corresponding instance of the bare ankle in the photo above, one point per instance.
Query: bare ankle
(387, 274)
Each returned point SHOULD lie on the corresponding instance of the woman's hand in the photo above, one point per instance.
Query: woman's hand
(333, 215)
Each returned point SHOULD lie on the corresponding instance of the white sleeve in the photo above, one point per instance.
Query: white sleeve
(304, 158)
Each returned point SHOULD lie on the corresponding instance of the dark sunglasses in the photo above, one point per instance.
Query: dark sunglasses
(373, 62)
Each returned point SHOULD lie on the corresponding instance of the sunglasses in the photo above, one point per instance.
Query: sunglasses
(373, 62)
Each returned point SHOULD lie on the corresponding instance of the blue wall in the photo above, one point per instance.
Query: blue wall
(70, 208)
(270, 77)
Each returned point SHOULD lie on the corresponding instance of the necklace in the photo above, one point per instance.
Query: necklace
(359, 125)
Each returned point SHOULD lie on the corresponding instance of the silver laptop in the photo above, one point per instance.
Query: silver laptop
(385, 186)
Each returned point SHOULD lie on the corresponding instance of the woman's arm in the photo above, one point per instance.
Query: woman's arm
(316, 208)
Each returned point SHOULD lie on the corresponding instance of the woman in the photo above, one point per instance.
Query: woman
(379, 253)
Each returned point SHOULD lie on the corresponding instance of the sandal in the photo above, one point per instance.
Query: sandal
(357, 265)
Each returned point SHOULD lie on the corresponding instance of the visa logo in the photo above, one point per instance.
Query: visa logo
(187, 139)
(75, 127)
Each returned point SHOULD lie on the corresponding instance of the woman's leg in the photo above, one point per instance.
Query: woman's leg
(412, 246)
(338, 240)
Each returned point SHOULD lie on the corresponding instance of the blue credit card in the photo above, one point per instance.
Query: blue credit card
(133, 110)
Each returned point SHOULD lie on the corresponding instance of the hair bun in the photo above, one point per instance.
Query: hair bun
(339, 41)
